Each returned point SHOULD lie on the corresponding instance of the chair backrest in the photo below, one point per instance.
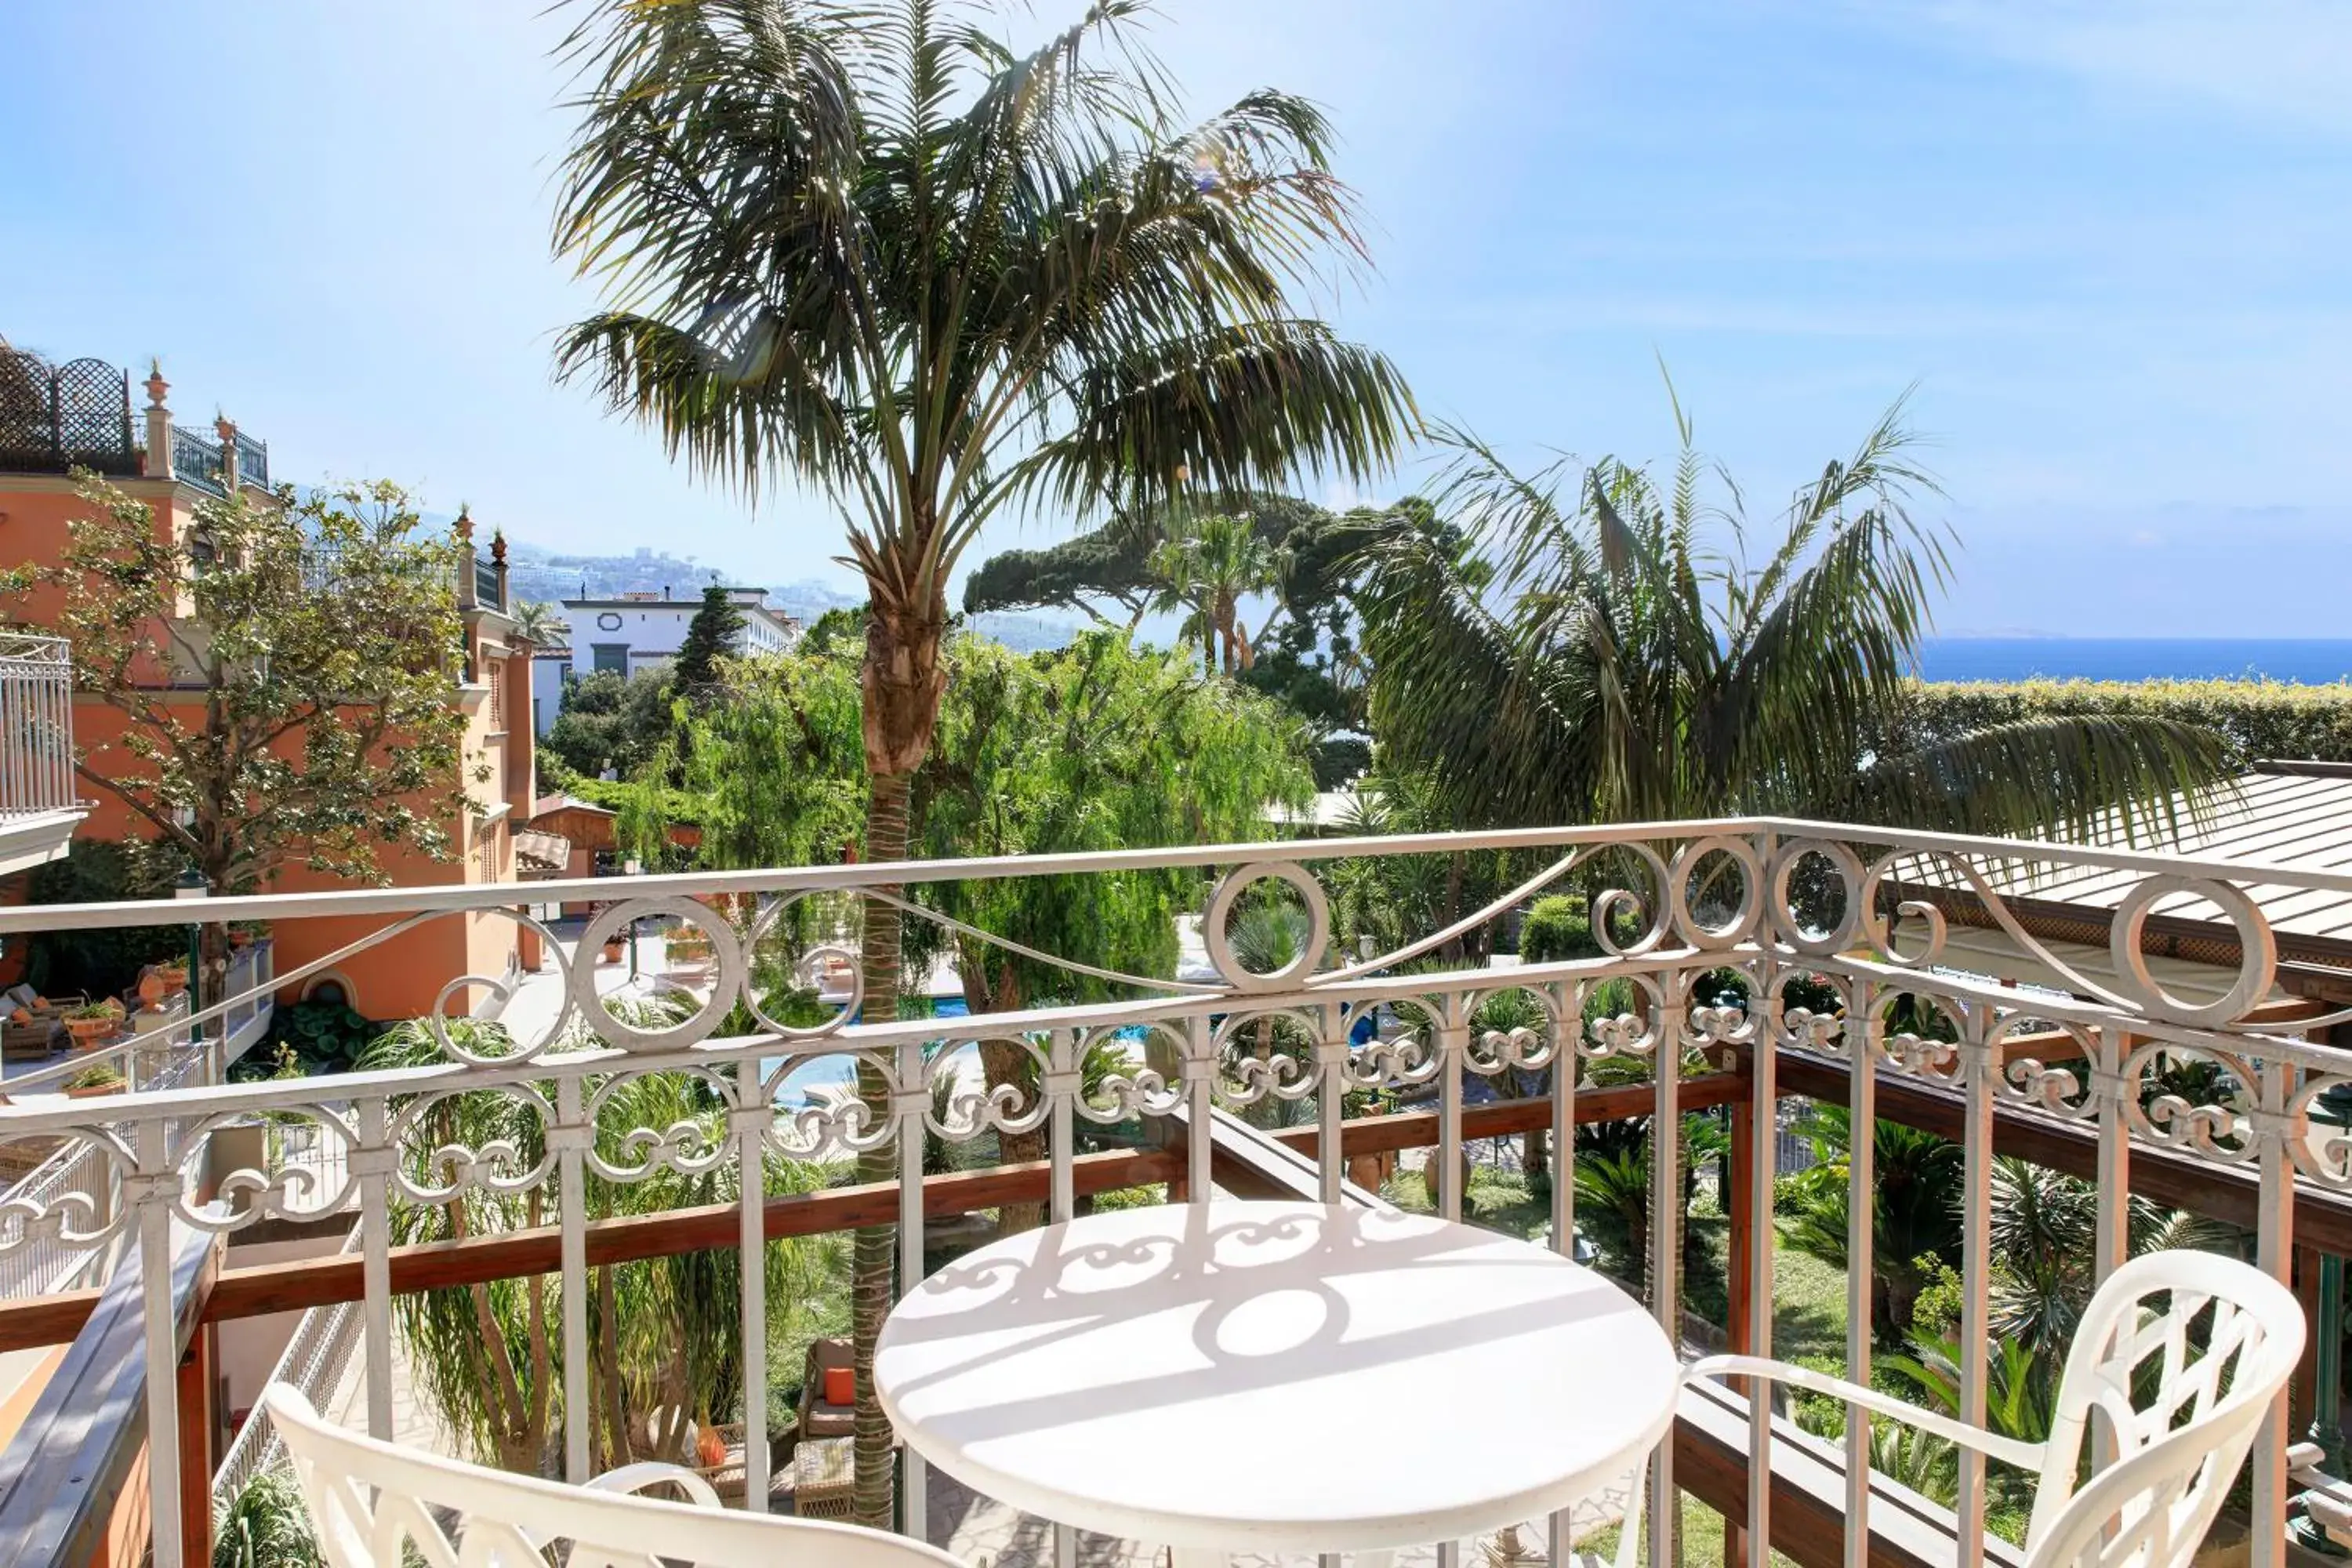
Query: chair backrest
(823, 1353)
(2177, 1362)
(367, 1497)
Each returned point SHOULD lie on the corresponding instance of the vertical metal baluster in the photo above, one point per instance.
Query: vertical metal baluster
(571, 1136)
(1060, 1141)
(1764, 1111)
(156, 1187)
(751, 1118)
(1980, 1060)
(1061, 1081)
(1452, 1046)
(373, 1161)
(2275, 1255)
(1861, 1048)
(1665, 1232)
(914, 1101)
(1567, 1030)
(1330, 1097)
(1200, 1088)
(2109, 1050)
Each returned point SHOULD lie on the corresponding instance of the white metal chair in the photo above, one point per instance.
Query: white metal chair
(2174, 1455)
(367, 1497)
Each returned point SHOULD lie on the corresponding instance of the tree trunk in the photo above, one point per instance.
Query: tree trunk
(900, 683)
(1006, 1064)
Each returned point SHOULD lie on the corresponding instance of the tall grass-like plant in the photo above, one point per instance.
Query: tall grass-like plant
(665, 1352)
(267, 1526)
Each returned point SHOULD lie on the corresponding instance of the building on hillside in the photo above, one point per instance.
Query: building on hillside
(638, 632)
(57, 417)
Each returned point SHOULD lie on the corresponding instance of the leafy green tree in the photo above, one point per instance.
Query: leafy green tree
(878, 250)
(288, 671)
(611, 725)
(1629, 662)
(1095, 747)
(711, 635)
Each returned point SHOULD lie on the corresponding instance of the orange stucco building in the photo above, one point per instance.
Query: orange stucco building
(172, 470)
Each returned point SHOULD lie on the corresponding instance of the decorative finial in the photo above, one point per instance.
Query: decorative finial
(464, 526)
(224, 427)
(156, 385)
(499, 545)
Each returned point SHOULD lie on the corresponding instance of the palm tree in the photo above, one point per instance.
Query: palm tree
(871, 249)
(1208, 569)
(1629, 662)
(539, 621)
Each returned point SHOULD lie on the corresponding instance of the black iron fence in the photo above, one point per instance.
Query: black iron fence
(488, 589)
(252, 461)
(72, 416)
(198, 462)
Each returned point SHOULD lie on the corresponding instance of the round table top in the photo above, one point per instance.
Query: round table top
(1281, 1376)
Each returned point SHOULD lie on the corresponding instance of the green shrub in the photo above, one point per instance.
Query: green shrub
(268, 1527)
(2259, 719)
(1557, 928)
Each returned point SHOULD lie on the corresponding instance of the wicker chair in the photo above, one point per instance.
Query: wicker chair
(819, 1418)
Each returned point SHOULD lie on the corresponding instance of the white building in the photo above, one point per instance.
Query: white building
(638, 632)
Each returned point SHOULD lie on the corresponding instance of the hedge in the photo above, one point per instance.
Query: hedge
(2261, 719)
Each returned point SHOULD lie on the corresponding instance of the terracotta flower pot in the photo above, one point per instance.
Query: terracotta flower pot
(95, 1091)
(709, 1448)
(89, 1032)
(175, 978)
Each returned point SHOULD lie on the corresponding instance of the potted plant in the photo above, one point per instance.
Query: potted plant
(174, 976)
(101, 1078)
(245, 933)
(612, 949)
(93, 1021)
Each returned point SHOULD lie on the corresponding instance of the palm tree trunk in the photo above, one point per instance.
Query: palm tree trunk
(1006, 1063)
(874, 1252)
(901, 682)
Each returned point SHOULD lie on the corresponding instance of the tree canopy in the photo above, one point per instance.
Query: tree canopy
(711, 635)
(289, 671)
(1609, 651)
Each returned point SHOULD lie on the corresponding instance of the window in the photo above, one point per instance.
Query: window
(612, 655)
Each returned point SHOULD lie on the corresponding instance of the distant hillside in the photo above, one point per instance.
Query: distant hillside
(534, 571)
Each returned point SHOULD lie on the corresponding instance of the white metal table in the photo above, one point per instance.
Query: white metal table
(1276, 1377)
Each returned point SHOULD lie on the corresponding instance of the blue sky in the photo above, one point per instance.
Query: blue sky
(2108, 243)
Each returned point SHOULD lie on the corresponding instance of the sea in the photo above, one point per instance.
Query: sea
(2311, 661)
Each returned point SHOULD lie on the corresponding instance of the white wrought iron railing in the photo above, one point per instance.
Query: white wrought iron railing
(1769, 953)
(37, 752)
